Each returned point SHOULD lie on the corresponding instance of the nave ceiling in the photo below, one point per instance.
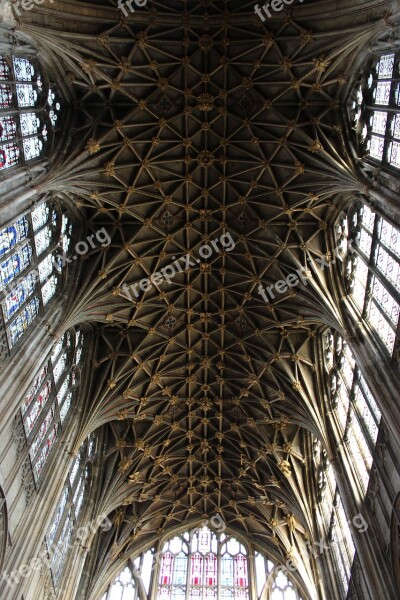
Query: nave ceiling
(194, 120)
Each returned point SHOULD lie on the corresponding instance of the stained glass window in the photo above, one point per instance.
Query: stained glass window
(29, 111)
(124, 586)
(67, 516)
(373, 271)
(31, 266)
(357, 412)
(189, 567)
(47, 404)
(201, 564)
(376, 110)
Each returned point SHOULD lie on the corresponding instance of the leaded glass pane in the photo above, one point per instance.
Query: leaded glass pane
(59, 366)
(360, 282)
(23, 69)
(6, 97)
(41, 458)
(26, 95)
(365, 242)
(35, 387)
(394, 154)
(14, 265)
(382, 93)
(66, 405)
(12, 235)
(45, 268)
(389, 267)
(389, 236)
(9, 155)
(396, 126)
(376, 147)
(8, 128)
(379, 121)
(30, 123)
(17, 328)
(385, 66)
(381, 325)
(43, 239)
(4, 69)
(15, 299)
(365, 413)
(40, 216)
(385, 300)
(32, 147)
(37, 406)
(49, 289)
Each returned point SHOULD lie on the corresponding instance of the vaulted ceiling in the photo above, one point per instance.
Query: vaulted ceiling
(197, 122)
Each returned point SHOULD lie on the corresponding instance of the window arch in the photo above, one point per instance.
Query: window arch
(373, 272)
(189, 567)
(376, 110)
(201, 564)
(357, 413)
(68, 514)
(31, 250)
(49, 400)
(29, 111)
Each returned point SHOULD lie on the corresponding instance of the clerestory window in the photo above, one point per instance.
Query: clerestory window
(29, 110)
(31, 250)
(49, 400)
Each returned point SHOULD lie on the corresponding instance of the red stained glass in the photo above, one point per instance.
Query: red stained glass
(196, 570)
(166, 569)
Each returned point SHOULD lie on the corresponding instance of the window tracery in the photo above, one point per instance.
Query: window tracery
(31, 266)
(376, 110)
(49, 400)
(337, 529)
(201, 564)
(69, 511)
(357, 412)
(373, 272)
(29, 111)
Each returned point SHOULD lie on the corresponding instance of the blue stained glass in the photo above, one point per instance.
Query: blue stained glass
(19, 295)
(12, 267)
(12, 235)
(16, 328)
